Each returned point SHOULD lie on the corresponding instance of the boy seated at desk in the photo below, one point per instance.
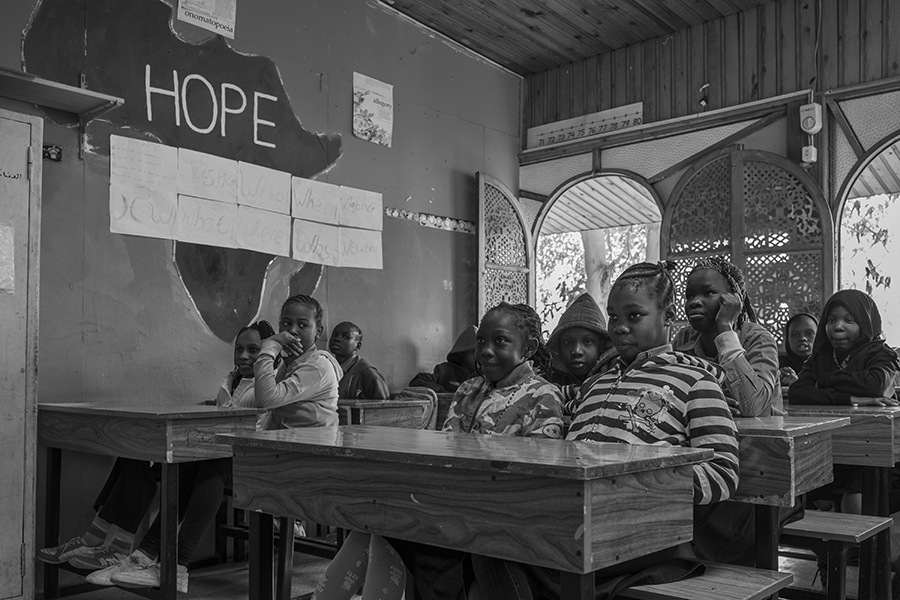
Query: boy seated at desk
(580, 346)
(460, 366)
(360, 380)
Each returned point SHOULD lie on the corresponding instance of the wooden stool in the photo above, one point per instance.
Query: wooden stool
(834, 534)
(719, 582)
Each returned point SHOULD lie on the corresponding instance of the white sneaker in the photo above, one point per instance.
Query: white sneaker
(149, 577)
(135, 560)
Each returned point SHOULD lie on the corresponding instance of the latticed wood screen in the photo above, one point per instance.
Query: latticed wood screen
(768, 217)
(505, 254)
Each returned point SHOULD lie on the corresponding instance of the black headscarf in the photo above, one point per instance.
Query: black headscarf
(865, 313)
(794, 360)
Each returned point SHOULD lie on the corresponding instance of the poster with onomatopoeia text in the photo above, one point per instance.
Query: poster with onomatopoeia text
(217, 16)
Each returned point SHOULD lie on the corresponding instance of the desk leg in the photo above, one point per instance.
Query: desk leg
(875, 553)
(168, 534)
(262, 546)
(285, 559)
(51, 519)
(767, 537)
(575, 586)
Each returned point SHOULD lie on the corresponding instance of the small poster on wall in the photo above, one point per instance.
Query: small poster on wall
(217, 16)
(373, 110)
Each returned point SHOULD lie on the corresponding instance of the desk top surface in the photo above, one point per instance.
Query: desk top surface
(891, 412)
(558, 459)
(189, 409)
(792, 426)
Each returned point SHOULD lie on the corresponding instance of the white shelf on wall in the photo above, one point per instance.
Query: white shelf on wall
(85, 104)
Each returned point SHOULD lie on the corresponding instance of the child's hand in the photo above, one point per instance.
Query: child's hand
(729, 309)
(788, 376)
(734, 406)
(877, 401)
(289, 343)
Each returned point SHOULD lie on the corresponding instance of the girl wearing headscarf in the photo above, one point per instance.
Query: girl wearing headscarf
(799, 333)
(850, 361)
(724, 331)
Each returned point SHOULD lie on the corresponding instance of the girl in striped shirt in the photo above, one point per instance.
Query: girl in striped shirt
(653, 396)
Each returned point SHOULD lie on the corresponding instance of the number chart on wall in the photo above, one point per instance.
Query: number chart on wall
(595, 124)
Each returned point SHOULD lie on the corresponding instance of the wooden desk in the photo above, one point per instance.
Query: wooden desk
(165, 434)
(781, 458)
(411, 413)
(573, 506)
(871, 441)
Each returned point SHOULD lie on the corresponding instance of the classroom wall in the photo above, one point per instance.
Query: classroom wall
(779, 47)
(117, 322)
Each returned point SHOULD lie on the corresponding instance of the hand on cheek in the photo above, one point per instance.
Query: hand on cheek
(729, 310)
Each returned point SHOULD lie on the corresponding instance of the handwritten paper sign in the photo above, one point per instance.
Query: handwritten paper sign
(206, 176)
(264, 188)
(140, 211)
(7, 260)
(315, 201)
(136, 162)
(263, 231)
(316, 242)
(360, 248)
(217, 16)
(361, 208)
(202, 221)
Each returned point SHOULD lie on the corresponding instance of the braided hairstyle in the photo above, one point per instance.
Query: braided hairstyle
(527, 320)
(306, 301)
(735, 279)
(265, 330)
(655, 277)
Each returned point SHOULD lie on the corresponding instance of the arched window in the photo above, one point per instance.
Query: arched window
(767, 216)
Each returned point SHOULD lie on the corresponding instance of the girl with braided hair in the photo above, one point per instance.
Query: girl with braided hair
(724, 331)
(508, 397)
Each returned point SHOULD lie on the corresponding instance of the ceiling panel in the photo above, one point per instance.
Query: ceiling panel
(529, 36)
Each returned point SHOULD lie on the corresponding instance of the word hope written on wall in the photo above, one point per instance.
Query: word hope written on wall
(177, 194)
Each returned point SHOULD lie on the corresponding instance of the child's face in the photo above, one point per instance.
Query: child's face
(842, 330)
(636, 323)
(246, 349)
(579, 349)
(702, 298)
(801, 334)
(344, 341)
(300, 321)
(499, 345)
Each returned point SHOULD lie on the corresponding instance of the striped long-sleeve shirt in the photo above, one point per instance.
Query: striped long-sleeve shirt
(664, 398)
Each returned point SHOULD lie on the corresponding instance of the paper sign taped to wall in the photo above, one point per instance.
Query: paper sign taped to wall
(217, 16)
(206, 176)
(202, 221)
(361, 208)
(7, 260)
(360, 248)
(316, 242)
(264, 188)
(263, 231)
(139, 163)
(373, 110)
(135, 210)
(315, 201)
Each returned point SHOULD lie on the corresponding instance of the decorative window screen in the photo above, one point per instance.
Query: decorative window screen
(505, 254)
(768, 217)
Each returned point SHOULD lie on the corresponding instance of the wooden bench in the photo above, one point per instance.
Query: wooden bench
(719, 582)
(834, 534)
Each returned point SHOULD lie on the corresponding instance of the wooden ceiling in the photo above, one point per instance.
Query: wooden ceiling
(530, 36)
